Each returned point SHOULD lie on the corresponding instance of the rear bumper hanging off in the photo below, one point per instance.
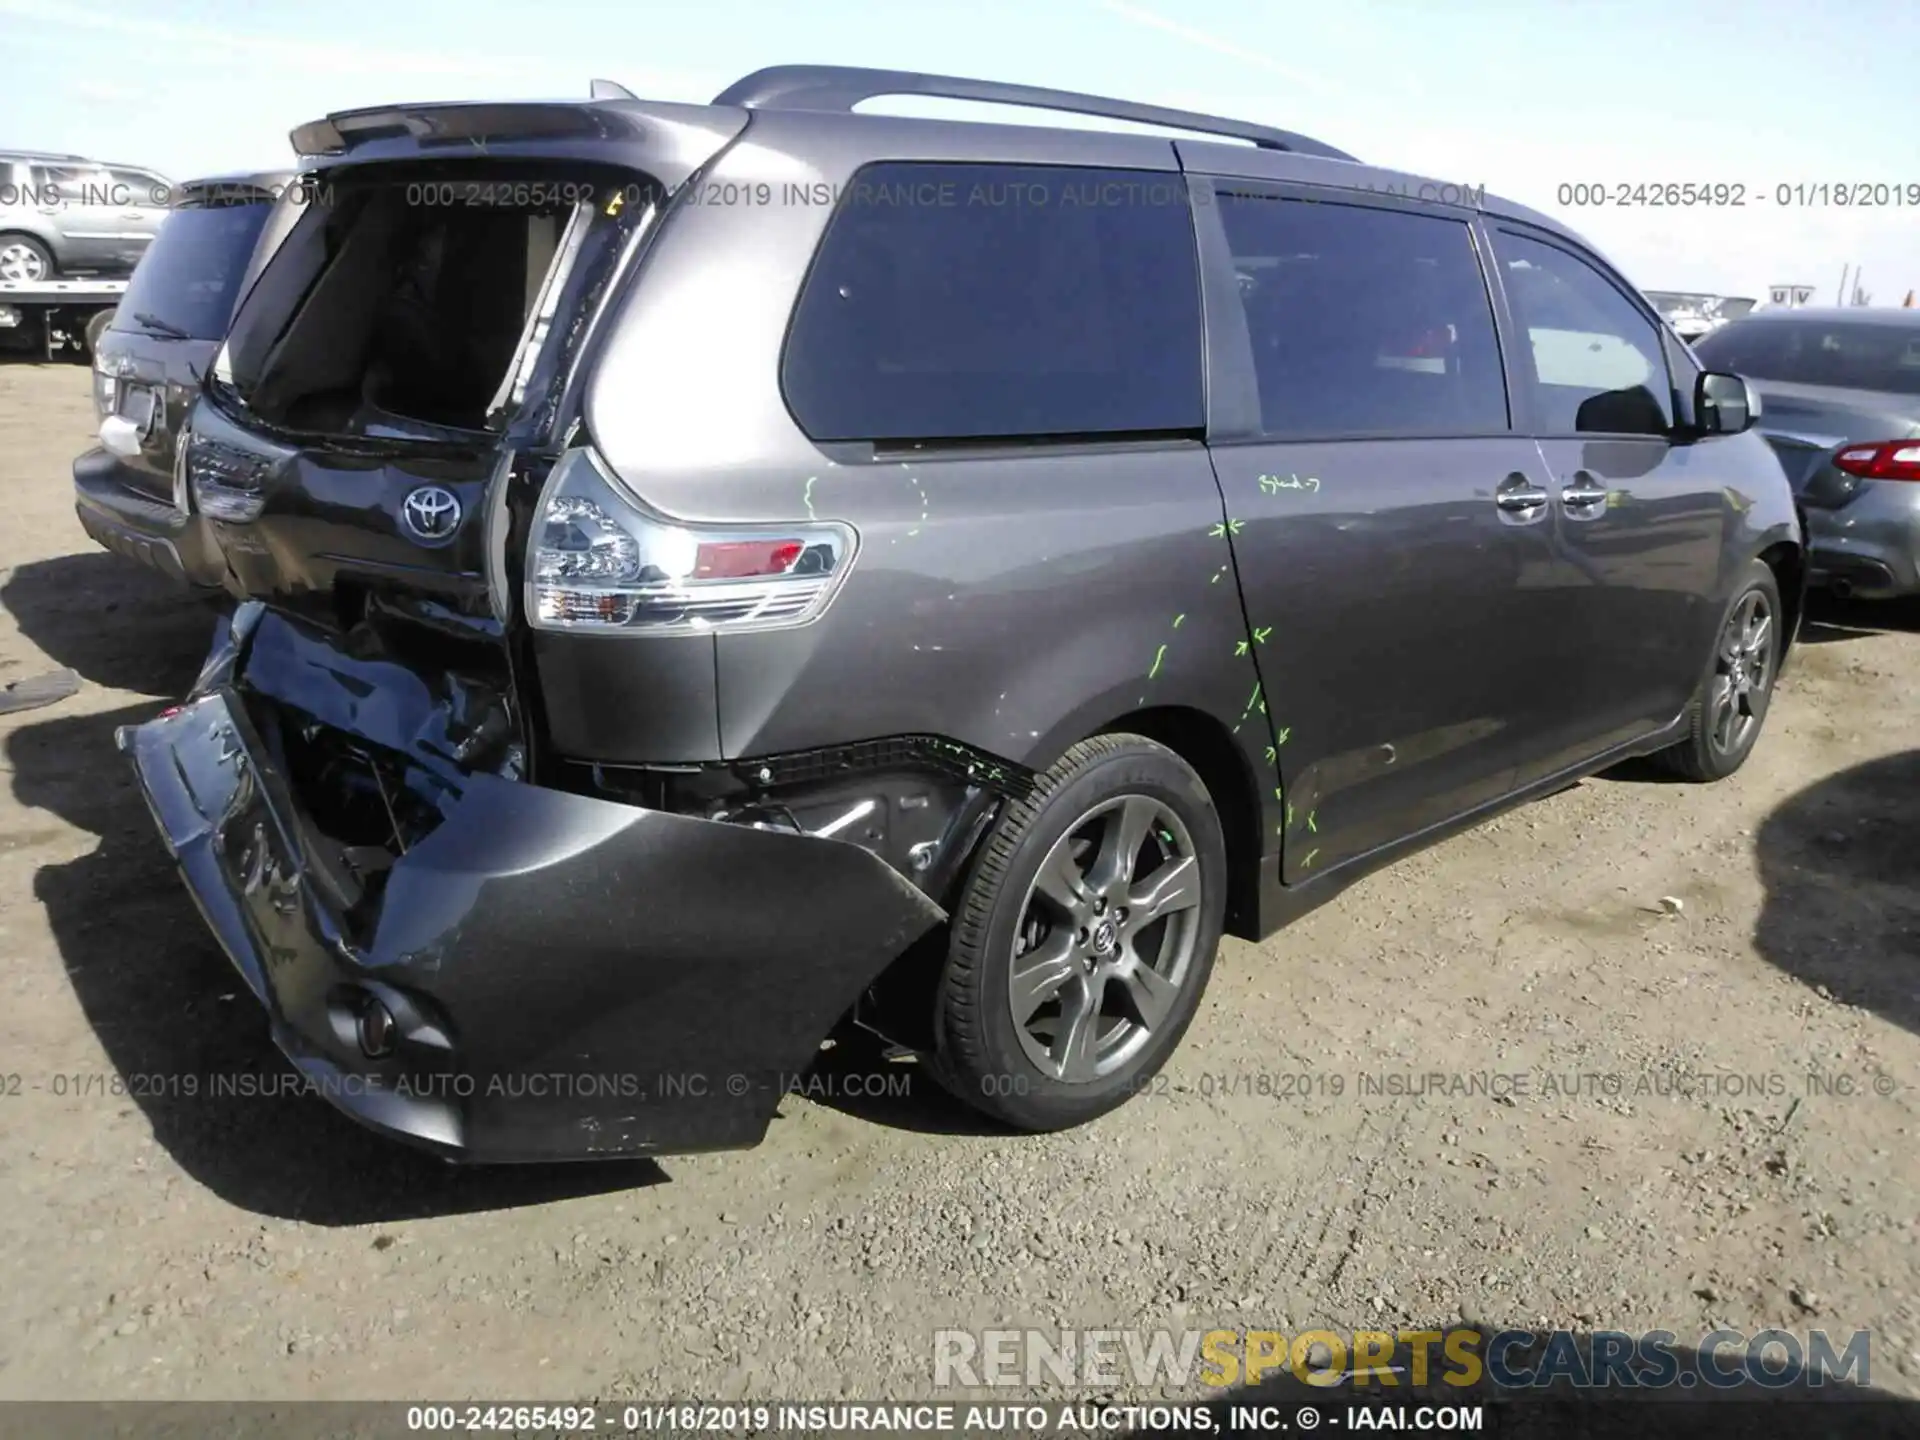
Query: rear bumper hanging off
(553, 976)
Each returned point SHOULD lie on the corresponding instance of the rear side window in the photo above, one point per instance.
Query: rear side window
(1598, 364)
(953, 301)
(1364, 321)
(191, 273)
(1845, 354)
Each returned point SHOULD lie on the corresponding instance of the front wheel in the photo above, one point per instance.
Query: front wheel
(1730, 704)
(1084, 938)
(97, 324)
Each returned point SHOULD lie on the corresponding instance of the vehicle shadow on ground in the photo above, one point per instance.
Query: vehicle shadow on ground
(857, 1079)
(1828, 619)
(113, 622)
(173, 1018)
(1690, 1403)
(1840, 861)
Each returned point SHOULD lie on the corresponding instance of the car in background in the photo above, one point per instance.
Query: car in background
(1694, 316)
(66, 215)
(149, 362)
(1840, 397)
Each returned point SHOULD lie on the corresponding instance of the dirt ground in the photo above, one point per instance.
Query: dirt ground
(165, 1246)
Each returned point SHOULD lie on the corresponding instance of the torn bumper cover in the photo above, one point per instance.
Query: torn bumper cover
(557, 976)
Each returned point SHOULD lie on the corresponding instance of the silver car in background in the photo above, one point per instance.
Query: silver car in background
(1841, 395)
(63, 215)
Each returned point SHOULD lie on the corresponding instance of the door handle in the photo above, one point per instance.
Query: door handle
(1585, 498)
(1519, 499)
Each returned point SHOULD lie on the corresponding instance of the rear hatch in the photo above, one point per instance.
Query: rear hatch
(392, 395)
(167, 328)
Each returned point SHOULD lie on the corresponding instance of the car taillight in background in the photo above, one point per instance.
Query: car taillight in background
(1881, 460)
(107, 374)
(598, 559)
(227, 484)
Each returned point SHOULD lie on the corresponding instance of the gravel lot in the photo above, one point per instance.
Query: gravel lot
(165, 1246)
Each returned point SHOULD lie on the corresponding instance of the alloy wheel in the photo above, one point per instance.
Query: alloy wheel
(1742, 672)
(1107, 939)
(21, 262)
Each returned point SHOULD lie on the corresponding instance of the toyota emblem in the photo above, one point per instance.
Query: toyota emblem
(431, 513)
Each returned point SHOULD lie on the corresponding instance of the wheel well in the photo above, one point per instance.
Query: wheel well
(1205, 744)
(1789, 565)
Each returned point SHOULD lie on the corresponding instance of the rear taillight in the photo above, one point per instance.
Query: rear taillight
(600, 559)
(1881, 460)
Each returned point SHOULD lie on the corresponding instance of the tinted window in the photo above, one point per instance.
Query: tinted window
(1843, 353)
(955, 301)
(1364, 321)
(1597, 361)
(191, 273)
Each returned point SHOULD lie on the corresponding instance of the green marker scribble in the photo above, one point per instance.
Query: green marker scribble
(1240, 647)
(1278, 794)
(1307, 859)
(806, 497)
(1281, 738)
(1274, 484)
(1218, 530)
(1260, 636)
(1161, 655)
(1270, 754)
(1177, 619)
(1312, 829)
(1254, 698)
(1289, 812)
(914, 480)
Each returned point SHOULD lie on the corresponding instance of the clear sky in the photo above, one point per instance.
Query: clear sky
(1523, 96)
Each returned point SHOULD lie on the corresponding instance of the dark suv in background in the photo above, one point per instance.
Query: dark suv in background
(711, 570)
(148, 365)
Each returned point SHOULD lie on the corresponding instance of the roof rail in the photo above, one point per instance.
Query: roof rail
(609, 90)
(841, 87)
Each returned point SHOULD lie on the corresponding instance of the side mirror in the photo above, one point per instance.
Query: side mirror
(1725, 404)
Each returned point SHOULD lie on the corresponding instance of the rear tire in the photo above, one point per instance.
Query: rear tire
(1084, 937)
(1729, 707)
(24, 258)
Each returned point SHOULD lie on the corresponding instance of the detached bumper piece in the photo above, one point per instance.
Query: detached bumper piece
(547, 976)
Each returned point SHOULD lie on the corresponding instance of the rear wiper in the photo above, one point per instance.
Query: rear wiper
(164, 328)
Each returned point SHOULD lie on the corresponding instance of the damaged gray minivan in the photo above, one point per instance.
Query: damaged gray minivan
(711, 571)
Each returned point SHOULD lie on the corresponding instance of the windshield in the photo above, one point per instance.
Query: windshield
(1844, 354)
(189, 277)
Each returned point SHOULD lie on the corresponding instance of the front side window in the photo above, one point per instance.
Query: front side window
(1597, 363)
(957, 301)
(1364, 321)
(139, 189)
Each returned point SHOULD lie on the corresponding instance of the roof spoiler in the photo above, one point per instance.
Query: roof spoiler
(464, 125)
